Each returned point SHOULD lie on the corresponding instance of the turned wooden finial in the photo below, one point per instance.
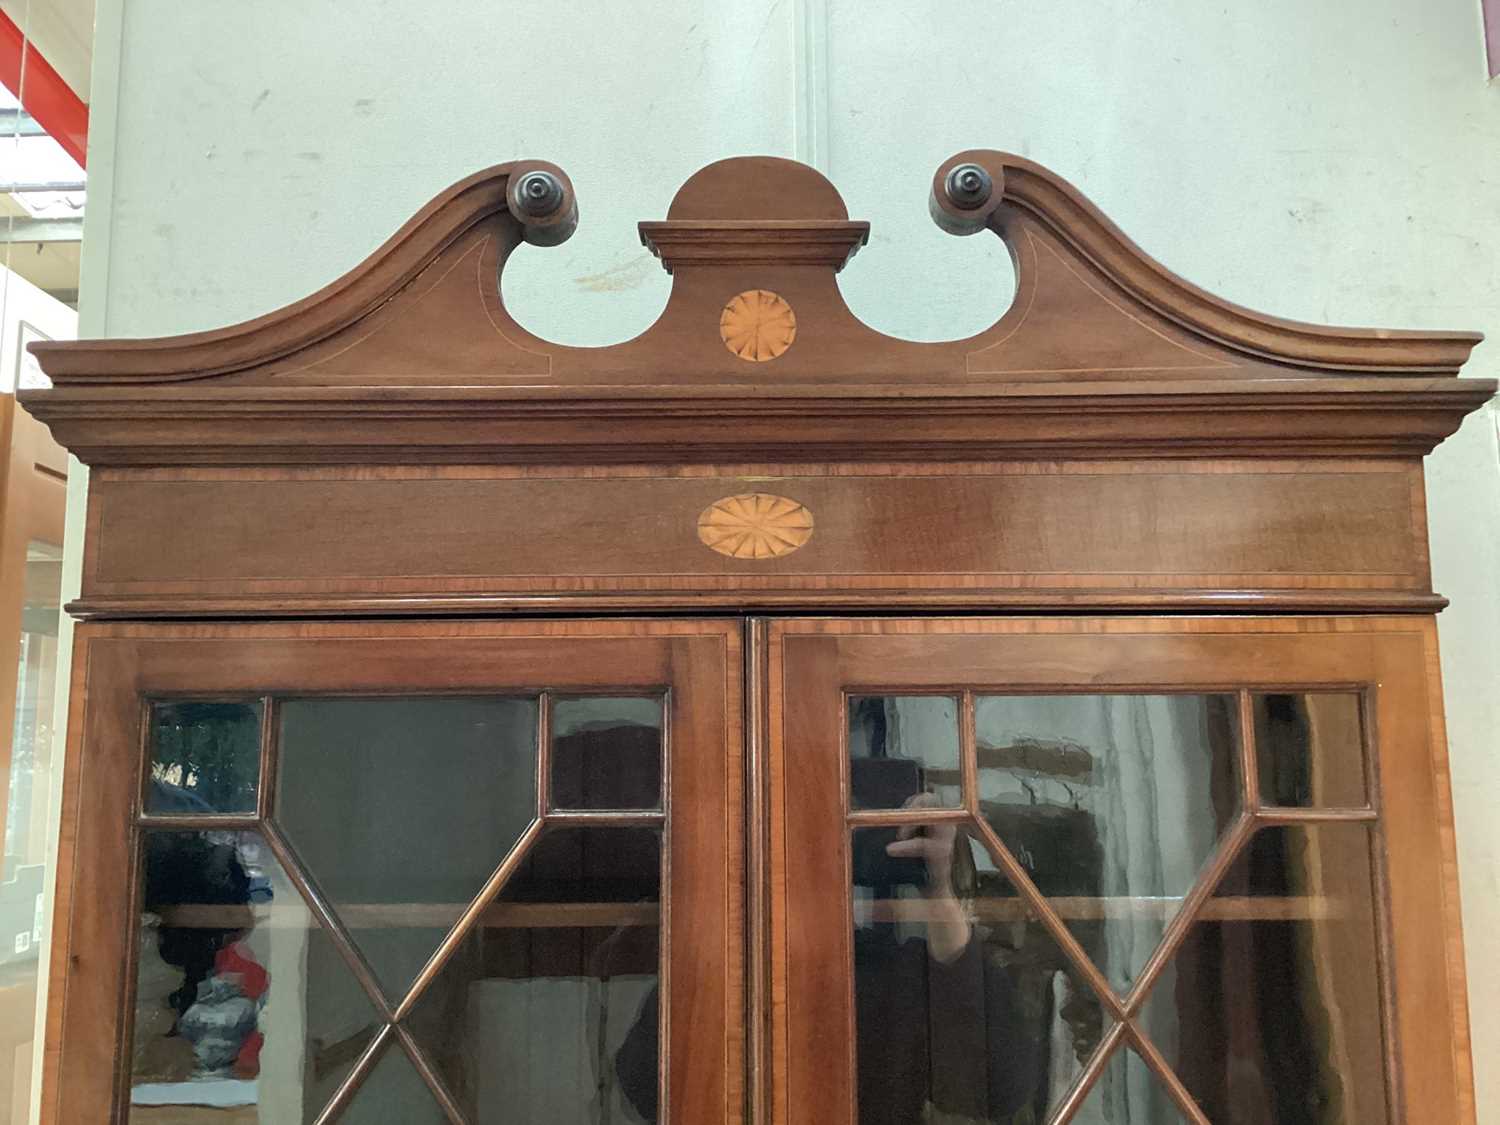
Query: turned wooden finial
(542, 199)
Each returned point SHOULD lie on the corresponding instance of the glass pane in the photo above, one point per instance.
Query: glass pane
(25, 812)
(1270, 1012)
(340, 1023)
(205, 757)
(549, 1010)
(965, 1008)
(1127, 1093)
(1310, 750)
(1112, 803)
(401, 809)
(393, 1094)
(606, 753)
(31, 732)
(244, 1010)
(902, 747)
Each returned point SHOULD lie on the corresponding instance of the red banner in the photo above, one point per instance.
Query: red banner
(46, 96)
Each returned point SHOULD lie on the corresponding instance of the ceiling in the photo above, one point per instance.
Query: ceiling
(43, 246)
(63, 31)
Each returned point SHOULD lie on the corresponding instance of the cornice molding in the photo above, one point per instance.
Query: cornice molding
(1274, 418)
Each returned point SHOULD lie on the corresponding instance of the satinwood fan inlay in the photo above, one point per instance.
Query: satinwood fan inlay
(755, 525)
(757, 325)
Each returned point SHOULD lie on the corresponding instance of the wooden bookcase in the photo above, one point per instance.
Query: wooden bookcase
(763, 719)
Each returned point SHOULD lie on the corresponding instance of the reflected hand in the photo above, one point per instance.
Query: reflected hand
(948, 932)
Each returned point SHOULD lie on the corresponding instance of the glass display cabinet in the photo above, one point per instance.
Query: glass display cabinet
(764, 719)
(33, 494)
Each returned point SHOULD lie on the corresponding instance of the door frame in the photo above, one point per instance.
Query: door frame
(1393, 660)
(118, 667)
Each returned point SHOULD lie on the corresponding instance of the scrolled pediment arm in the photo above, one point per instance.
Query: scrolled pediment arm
(533, 199)
(984, 189)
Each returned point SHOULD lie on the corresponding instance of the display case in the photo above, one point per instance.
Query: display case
(764, 719)
(33, 494)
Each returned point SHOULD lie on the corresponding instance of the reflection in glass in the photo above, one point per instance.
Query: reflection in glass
(901, 746)
(1127, 1093)
(400, 810)
(1309, 750)
(1270, 1011)
(965, 1008)
(31, 730)
(1112, 803)
(606, 752)
(393, 1093)
(242, 1003)
(205, 757)
(549, 1009)
(25, 808)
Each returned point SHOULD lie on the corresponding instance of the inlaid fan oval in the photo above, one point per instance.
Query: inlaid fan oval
(755, 525)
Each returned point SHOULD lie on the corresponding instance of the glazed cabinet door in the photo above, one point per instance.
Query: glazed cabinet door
(415, 872)
(1114, 872)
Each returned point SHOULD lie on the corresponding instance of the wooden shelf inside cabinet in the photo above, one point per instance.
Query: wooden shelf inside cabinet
(597, 915)
(367, 916)
(1237, 909)
(194, 1115)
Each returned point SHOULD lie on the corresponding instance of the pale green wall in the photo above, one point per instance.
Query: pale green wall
(1330, 161)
